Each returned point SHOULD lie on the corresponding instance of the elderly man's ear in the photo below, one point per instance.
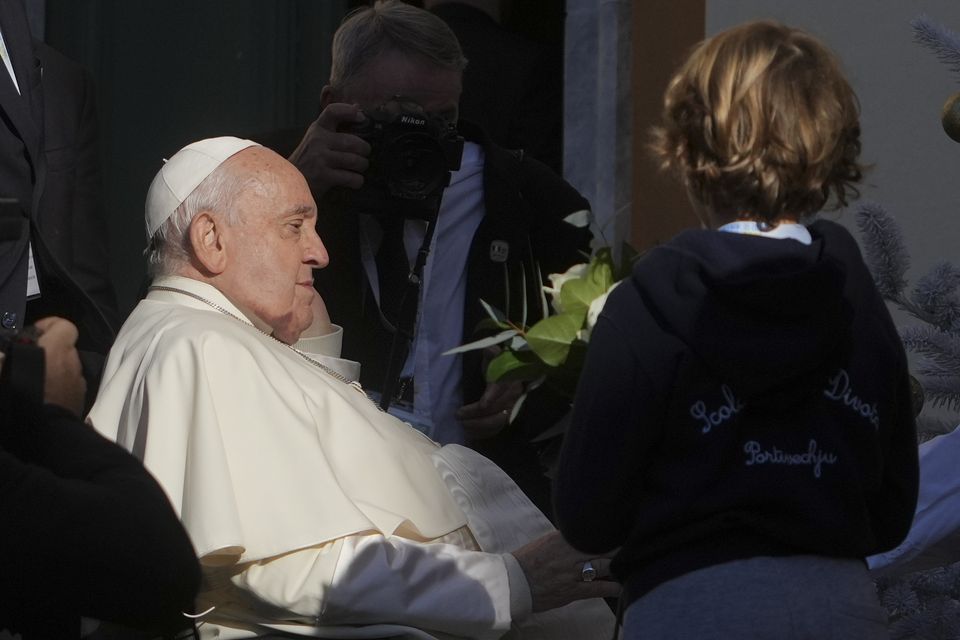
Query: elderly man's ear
(207, 241)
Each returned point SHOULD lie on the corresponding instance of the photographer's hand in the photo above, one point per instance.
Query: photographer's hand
(328, 157)
(63, 383)
(489, 415)
(297, 326)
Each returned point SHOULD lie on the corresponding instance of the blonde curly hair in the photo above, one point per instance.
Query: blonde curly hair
(760, 123)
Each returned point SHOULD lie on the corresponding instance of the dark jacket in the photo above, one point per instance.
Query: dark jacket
(86, 530)
(49, 164)
(742, 396)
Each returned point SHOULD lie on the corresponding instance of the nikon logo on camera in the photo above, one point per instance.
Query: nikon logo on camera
(412, 155)
(419, 122)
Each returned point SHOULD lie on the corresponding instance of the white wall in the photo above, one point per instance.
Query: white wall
(902, 87)
(597, 111)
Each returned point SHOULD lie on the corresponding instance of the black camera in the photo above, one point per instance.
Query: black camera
(412, 154)
(10, 337)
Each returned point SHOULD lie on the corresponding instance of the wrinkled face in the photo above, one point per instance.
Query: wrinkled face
(411, 78)
(273, 250)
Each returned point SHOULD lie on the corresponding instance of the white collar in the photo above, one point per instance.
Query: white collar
(784, 230)
(204, 290)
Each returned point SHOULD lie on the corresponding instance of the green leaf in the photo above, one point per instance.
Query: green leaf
(495, 314)
(516, 408)
(489, 325)
(576, 296)
(523, 287)
(628, 255)
(550, 338)
(580, 219)
(518, 343)
(544, 307)
(601, 269)
(483, 343)
(514, 365)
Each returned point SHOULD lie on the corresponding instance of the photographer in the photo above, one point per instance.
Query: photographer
(500, 219)
(87, 531)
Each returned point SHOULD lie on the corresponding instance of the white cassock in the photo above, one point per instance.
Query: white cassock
(312, 511)
(934, 537)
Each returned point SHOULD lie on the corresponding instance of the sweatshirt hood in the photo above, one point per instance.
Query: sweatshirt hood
(766, 316)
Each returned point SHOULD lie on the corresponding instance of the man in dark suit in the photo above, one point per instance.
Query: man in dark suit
(53, 237)
(501, 218)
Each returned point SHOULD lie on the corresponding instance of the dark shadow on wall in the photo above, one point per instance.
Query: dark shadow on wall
(172, 71)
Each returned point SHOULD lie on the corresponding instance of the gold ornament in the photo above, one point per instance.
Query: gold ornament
(951, 117)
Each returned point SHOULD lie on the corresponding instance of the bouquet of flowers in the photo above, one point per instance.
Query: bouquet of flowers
(550, 352)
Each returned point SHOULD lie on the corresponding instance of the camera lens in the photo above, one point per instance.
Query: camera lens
(415, 166)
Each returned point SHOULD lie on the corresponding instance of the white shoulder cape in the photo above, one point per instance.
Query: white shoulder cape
(220, 399)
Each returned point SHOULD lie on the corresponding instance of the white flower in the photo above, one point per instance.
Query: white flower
(557, 280)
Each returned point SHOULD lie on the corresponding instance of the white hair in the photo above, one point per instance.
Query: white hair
(169, 247)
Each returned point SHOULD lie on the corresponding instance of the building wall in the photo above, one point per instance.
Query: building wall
(172, 71)
(902, 88)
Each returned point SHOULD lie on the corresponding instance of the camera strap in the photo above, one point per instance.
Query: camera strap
(393, 267)
(406, 316)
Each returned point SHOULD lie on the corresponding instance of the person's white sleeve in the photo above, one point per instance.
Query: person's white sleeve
(328, 344)
(373, 579)
(934, 537)
(326, 350)
(521, 600)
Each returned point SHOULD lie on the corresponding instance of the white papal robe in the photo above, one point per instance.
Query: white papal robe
(312, 511)
(934, 537)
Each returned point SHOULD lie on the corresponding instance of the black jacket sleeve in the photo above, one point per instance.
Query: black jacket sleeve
(86, 528)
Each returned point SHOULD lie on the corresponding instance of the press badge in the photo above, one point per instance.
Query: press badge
(499, 250)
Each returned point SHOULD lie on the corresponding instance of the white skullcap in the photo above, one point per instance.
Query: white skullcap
(183, 173)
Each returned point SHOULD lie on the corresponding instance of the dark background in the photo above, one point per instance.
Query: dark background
(169, 72)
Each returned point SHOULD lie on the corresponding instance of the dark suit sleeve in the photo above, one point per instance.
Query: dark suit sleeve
(86, 528)
(90, 236)
(526, 199)
(557, 244)
(73, 217)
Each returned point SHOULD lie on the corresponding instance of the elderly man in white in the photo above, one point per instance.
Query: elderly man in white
(308, 506)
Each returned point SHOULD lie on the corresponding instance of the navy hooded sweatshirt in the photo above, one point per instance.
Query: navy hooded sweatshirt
(742, 396)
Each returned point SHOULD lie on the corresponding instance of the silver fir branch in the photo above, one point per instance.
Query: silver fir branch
(884, 250)
(944, 42)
